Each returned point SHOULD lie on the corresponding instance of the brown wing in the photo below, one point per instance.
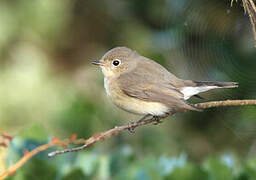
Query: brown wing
(147, 87)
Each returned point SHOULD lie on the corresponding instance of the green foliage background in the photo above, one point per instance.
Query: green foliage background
(49, 88)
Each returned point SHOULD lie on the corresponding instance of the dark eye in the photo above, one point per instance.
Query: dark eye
(116, 62)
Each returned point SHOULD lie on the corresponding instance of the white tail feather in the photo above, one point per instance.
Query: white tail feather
(191, 91)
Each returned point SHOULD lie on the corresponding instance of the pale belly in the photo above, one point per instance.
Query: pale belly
(134, 105)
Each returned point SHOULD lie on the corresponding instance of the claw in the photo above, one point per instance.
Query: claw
(130, 128)
(157, 120)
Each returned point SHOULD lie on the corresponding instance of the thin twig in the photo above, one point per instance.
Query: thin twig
(103, 135)
(24, 159)
(29, 154)
(116, 130)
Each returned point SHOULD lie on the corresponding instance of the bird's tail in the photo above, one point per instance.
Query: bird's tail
(195, 87)
(216, 84)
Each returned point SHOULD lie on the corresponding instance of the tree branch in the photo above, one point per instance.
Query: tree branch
(107, 134)
(24, 159)
(116, 130)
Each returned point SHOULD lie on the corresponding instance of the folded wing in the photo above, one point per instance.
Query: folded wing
(148, 87)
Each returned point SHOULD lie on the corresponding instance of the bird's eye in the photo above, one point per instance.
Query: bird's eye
(116, 62)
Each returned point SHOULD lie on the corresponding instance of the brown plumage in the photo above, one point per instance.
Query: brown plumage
(142, 86)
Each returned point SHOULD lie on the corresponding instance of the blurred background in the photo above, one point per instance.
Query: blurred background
(48, 87)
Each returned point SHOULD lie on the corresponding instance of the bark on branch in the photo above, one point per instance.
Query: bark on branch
(107, 134)
(116, 130)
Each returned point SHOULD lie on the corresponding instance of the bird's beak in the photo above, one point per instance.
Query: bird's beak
(97, 62)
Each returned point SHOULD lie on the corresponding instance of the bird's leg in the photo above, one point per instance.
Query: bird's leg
(158, 119)
(144, 118)
(130, 129)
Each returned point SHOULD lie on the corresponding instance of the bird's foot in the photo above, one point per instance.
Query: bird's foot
(157, 120)
(131, 128)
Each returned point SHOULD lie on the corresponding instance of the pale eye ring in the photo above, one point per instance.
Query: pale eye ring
(116, 62)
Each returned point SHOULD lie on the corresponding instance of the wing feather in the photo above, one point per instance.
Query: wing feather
(147, 87)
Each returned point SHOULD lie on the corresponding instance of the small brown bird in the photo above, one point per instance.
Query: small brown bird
(141, 86)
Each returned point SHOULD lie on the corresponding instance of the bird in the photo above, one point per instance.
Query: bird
(141, 86)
